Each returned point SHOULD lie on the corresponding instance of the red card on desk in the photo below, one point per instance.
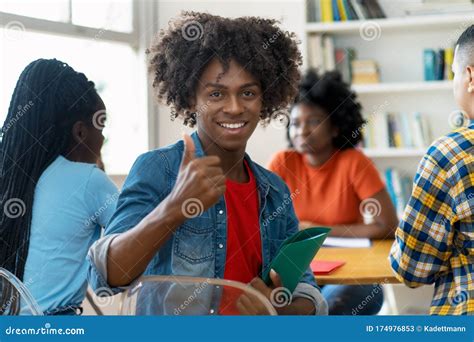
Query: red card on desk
(324, 266)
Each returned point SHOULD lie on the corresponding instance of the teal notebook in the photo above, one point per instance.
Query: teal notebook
(295, 256)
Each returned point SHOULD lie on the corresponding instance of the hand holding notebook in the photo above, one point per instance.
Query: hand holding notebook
(295, 256)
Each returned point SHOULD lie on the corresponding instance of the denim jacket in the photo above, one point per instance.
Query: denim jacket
(197, 247)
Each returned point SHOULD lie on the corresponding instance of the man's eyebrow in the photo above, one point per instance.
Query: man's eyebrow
(218, 85)
(214, 85)
(250, 84)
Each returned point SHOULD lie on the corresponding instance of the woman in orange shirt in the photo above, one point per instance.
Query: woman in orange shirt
(333, 183)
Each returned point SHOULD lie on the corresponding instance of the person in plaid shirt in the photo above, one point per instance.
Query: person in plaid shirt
(435, 238)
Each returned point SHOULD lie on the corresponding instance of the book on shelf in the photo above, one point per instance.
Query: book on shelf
(329, 53)
(325, 6)
(344, 58)
(437, 7)
(324, 57)
(397, 130)
(399, 188)
(448, 63)
(365, 72)
(316, 52)
(343, 10)
(437, 64)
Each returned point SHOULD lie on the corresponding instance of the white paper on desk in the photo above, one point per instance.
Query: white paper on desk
(347, 242)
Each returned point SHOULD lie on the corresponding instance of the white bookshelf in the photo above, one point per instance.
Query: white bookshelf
(398, 50)
(402, 87)
(394, 152)
(427, 22)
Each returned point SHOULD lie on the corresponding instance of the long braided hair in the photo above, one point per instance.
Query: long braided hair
(48, 99)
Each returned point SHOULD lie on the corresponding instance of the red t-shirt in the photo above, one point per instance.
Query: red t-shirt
(244, 245)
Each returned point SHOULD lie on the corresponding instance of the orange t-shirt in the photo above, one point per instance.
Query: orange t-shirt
(331, 193)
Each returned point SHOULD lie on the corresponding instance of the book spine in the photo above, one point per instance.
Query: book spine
(391, 130)
(329, 55)
(358, 9)
(448, 63)
(342, 64)
(381, 131)
(389, 183)
(440, 65)
(326, 11)
(397, 188)
(351, 10)
(378, 10)
(368, 8)
(315, 51)
(429, 58)
(397, 135)
(407, 137)
(342, 10)
(418, 131)
(335, 11)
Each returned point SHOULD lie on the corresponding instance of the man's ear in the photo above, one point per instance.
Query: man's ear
(79, 132)
(470, 75)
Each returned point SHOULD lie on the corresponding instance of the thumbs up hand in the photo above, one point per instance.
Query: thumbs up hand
(200, 182)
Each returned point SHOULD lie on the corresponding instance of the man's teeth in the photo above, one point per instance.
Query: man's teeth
(232, 125)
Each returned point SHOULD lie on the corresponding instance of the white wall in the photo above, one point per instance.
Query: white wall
(264, 142)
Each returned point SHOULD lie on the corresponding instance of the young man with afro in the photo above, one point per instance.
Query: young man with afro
(201, 207)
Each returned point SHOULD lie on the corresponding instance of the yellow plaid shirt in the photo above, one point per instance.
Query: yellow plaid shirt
(434, 242)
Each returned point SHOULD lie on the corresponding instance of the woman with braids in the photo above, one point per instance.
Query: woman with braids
(335, 180)
(201, 206)
(53, 196)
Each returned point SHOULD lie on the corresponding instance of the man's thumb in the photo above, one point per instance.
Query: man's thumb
(189, 150)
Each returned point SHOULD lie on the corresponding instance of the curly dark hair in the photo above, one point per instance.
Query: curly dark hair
(330, 93)
(181, 52)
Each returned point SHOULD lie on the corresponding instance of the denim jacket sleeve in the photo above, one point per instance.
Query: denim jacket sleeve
(144, 189)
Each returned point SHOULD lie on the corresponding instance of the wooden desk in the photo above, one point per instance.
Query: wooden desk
(363, 265)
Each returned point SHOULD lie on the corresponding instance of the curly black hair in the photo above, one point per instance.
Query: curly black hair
(330, 93)
(181, 52)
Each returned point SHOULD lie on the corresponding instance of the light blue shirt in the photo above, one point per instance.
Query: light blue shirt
(72, 202)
